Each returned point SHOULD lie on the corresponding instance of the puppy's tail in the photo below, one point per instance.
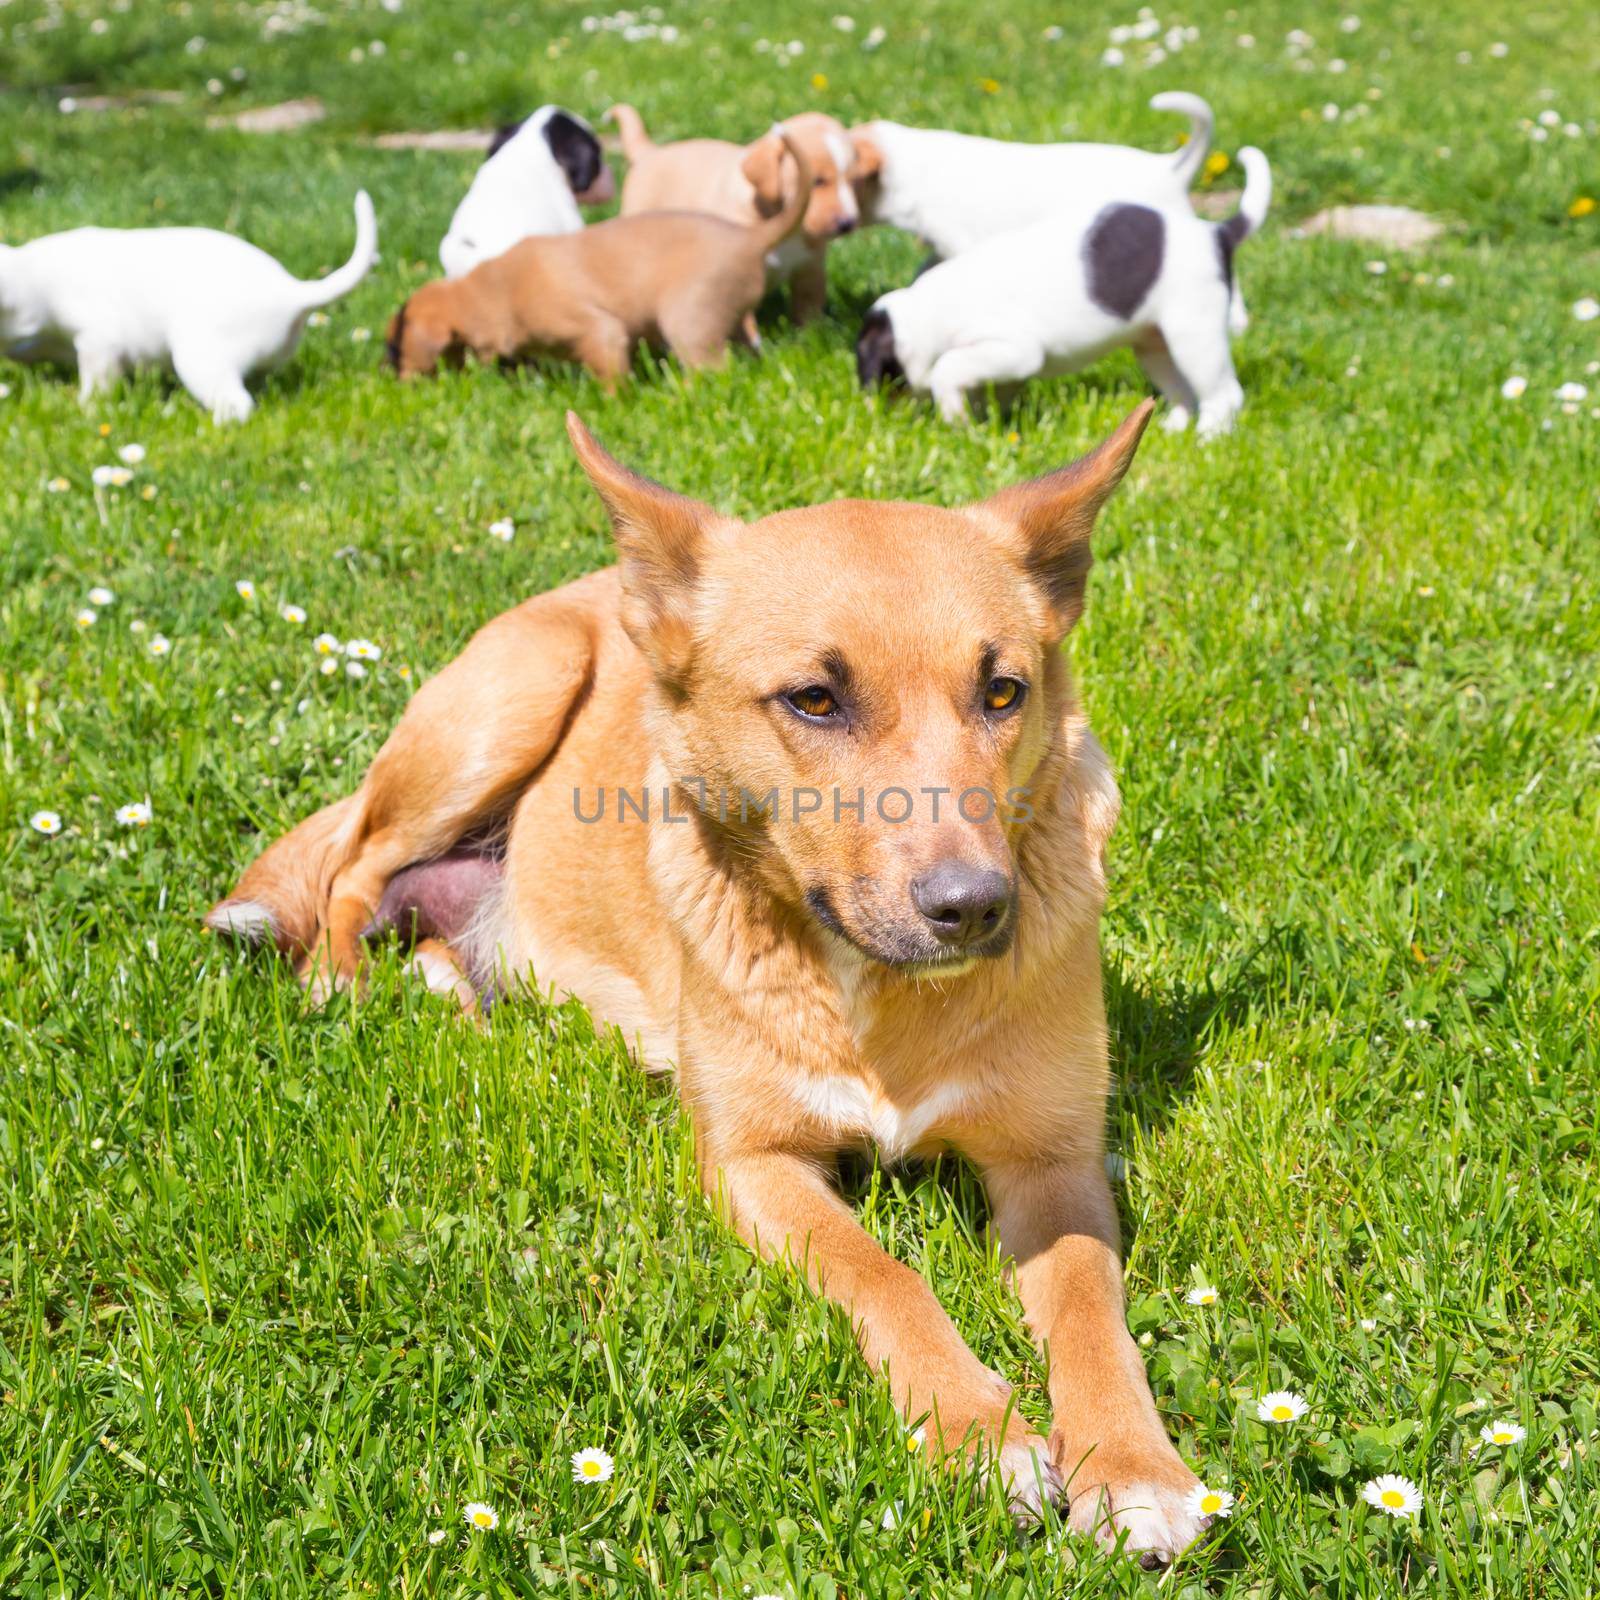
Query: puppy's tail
(776, 228)
(636, 141)
(1255, 200)
(341, 281)
(1191, 156)
(283, 894)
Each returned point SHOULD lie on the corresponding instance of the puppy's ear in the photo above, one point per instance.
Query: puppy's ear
(869, 154)
(662, 538)
(1047, 521)
(763, 166)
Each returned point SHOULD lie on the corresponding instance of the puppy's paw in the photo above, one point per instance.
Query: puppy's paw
(1144, 1502)
(1030, 1478)
(1176, 420)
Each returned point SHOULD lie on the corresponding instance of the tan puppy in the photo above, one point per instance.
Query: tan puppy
(679, 280)
(823, 974)
(745, 183)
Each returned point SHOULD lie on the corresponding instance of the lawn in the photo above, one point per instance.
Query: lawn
(282, 1291)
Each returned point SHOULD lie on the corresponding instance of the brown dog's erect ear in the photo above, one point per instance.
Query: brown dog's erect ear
(763, 166)
(1048, 520)
(661, 537)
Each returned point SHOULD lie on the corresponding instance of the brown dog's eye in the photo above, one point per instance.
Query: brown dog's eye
(813, 701)
(1004, 694)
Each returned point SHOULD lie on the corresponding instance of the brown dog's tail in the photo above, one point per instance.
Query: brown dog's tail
(283, 894)
(636, 141)
(776, 228)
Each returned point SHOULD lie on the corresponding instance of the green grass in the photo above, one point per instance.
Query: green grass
(281, 1291)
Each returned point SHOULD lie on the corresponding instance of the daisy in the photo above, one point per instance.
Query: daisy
(1514, 388)
(114, 477)
(148, 492)
(1111, 56)
(45, 822)
(245, 589)
(5, 391)
(363, 650)
(329, 667)
(1550, 118)
(915, 1441)
(101, 596)
(504, 530)
(1369, 1324)
(160, 645)
(591, 1466)
(317, 319)
(485, 1519)
(58, 486)
(1204, 1502)
(326, 645)
(294, 614)
(1204, 1295)
(1503, 1433)
(438, 1536)
(1377, 268)
(1572, 391)
(134, 815)
(131, 454)
(1282, 1405)
(87, 617)
(354, 669)
(1393, 1495)
(360, 335)
(1586, 309)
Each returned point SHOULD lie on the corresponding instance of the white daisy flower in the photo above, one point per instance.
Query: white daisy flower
(245, 589)
(915, 1440)
(1111, 56)
(1499, 49)
(317, 319)
(1369, 1324)
(1514, 388)
(1586, 309)
(134, 815)
(1281, 1405)
(326, 645)
(485, 1519)
(1204, 1502)
(87, 617)
(294, 614)
(136, 625)
(1377, 268)
(329, 667)
(1572, 391)
(438, 1536)
(1503, 1433)
(58, 486)
(504, 529)
(360, 335)
(1393, 1495)
(131, 454)
(1204, 1295)
(592, 1466)
(874, 38)
(46, 822)
(160, 645)
(101, 596)
(105, 476)
(363, 650)
(5, 391)
(1550, 118)
(891, 1517)
(1538, 135)
(1350, 24)
(1246, 41)
(354, 669)
(845, 24)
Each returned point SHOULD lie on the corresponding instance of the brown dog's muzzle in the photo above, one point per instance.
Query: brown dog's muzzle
(965, 906)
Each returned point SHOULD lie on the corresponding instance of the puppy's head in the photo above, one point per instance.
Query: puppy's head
(858, 696)
(572, 145)
(832, 209)
(877, 361)
(425, 331)
(866, 175)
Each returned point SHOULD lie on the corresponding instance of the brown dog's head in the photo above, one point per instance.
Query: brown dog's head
(830, 155)
(857, 696)
(425, 331)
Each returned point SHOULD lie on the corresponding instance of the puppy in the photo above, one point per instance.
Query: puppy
(854, 897)
(955, 191)
(746, 184)
(1060, 293)
(535, 176)
(209, 306)
(677, 279)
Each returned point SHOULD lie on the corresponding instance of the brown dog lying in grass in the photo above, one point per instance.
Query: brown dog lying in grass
(825, 967)
(677, 279)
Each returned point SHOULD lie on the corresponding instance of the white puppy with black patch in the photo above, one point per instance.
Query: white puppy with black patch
(956, 190)
(213, 308)
(1059, 294)
(535, 176)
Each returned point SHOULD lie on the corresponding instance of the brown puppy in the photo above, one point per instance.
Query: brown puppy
(676, 279)
(745, 183)
(679, 789)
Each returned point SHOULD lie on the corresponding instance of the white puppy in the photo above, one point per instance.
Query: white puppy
(535, 176)
(212, 307)
(1058, 294)
(955, 190)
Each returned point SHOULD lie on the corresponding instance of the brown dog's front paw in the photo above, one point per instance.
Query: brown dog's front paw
(1144, 1500)
(1029, 1476)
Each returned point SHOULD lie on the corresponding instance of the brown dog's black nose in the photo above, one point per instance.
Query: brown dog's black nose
(846, 225)
(963, 904)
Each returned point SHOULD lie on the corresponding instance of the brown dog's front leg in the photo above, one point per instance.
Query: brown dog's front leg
(808, 290)
(786, 1209)
(1057, 1222)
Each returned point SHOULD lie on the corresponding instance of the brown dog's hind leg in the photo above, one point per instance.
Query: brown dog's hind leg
(468, 743)
(605, 347)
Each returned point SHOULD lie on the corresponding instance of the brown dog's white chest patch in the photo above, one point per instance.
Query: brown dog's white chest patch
(852, 1111)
